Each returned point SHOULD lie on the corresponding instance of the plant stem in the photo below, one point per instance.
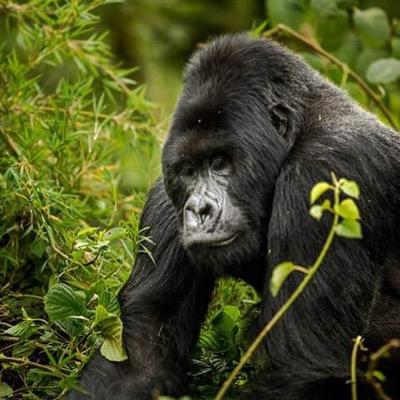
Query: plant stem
(280, 313)
(25, 361)
(347, 70)
(353, 368)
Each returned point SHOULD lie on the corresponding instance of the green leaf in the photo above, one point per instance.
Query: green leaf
(23, 329)
(279, 275)
(372, 26)
(110, 327)
(62, 302)
(318, 190)
(350, 188)
(112, 347)
(349, 228)
(385, 70)
(115, 233)
(316, 212)
(226, 320)
(288, 12)
(5, 391)
(367, 56)
(379, 375)
(348, 209)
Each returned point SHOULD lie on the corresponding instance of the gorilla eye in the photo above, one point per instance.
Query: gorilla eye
(218, 164)
(187, 170)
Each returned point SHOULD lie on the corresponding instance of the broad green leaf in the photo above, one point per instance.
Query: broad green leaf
(349, 228)
(279, 275)
(385, 70)
(112, 347)
(101, 314)
(318, 190)
(348, 209)
(316, 212)
(288, 12)
(22, 329)
(62, 302)
(5, 391)
(373, 26)
(367, 56)
(350, 188)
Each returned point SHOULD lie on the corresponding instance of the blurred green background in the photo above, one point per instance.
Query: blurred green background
(159, 35)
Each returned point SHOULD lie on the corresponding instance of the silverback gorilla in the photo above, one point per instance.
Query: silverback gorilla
(255, 128)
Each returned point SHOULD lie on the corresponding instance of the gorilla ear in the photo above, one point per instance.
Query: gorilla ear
(281, 119)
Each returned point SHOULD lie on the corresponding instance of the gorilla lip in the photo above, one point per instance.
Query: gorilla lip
(205, 241)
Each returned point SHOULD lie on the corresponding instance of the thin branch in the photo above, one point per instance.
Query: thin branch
(281, 312)
(353, 368)
(280, 28)
(10, 144)
(25, 361)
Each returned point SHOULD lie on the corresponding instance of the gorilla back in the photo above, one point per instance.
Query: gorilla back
(255, 128)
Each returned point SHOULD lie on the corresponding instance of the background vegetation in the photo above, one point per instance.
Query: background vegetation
(80, 144)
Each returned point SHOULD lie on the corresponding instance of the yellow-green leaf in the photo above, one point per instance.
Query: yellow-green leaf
(379, 375)
(350, 188)
(316, 212)
(279, 275)
(350, 229)
(5, 391)
(318, 190)
(348, 209)
(110, 327)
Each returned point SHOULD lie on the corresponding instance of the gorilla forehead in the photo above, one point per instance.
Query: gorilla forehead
(232, 65)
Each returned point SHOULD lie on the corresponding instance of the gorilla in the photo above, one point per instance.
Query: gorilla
(254, 129)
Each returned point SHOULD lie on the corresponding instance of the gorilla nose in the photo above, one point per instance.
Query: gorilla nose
(200, 213)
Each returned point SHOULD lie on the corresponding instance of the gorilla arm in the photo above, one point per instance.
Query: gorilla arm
(163, 305)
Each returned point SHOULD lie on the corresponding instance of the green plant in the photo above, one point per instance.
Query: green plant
(77, 152)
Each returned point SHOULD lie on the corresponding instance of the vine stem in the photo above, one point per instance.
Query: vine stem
(353, 372)
(345, 68)
(281, 312)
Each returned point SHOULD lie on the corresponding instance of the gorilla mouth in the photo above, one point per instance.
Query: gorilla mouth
(210, 240)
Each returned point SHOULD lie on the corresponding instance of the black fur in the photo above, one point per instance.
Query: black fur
(281, 128)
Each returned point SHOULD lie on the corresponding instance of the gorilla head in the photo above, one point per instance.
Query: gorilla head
(226, 145)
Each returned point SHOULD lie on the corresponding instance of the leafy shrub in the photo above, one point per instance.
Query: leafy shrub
(77, 150)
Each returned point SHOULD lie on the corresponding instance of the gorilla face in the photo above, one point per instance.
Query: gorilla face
(219, 182)
(201, 179)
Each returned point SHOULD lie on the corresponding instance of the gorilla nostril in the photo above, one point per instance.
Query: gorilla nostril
(205, 211)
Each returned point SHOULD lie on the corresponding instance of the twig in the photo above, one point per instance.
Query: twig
(280, 28)
(353, 368)
(373, 362)
(10, 144)
(25, 361)
(280, 313)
